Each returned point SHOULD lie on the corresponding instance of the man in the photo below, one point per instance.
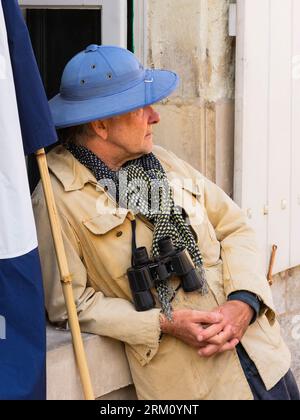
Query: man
(215, 339)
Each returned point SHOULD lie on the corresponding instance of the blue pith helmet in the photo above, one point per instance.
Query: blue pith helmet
(105, 81)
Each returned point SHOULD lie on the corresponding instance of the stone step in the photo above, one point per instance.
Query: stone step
(107, 362)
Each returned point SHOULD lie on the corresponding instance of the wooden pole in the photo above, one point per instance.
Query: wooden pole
(66, 277)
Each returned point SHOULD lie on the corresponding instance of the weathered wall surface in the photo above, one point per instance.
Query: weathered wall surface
(191, 38)
(286, 292)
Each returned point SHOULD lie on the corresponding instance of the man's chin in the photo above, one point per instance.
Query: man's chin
(148, 146)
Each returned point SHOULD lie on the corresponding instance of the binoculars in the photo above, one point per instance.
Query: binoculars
(146, 273)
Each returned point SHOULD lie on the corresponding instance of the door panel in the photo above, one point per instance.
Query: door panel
(267, 147)
(57, 35)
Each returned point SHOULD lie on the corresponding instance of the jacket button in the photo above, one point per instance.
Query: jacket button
(119, 234)
(148, 353)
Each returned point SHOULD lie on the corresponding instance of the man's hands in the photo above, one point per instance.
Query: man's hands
(187, 325)
(237, 317)
(210, 332)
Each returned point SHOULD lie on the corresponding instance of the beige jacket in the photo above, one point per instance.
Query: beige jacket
(98, 244)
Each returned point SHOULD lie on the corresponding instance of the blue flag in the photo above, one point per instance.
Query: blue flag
(36, 123)
(25, 125)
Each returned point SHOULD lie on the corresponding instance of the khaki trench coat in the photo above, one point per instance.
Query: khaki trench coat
(98, 237)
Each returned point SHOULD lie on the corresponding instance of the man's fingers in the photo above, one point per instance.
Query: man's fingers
(223, 337)
(210, 333)
(212, 349)
(207, 317)
(229, 346)
(209, 350)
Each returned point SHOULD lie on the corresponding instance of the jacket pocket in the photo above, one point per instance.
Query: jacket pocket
(109, 243)
(101, 224)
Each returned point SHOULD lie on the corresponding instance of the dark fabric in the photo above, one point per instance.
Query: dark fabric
(22, 329)
(36, 122)
(285, 390)
(249, 298)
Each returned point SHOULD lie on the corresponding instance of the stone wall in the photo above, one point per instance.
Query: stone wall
(191, 38)
(286, 292)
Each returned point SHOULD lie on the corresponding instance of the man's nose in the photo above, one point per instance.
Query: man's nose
(154, 117)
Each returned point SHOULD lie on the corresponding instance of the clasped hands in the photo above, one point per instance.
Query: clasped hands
(210, 332)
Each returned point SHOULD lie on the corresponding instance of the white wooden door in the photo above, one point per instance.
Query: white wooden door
(267, 151)
(295, 183)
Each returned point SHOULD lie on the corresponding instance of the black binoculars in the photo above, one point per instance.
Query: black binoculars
(146, 273)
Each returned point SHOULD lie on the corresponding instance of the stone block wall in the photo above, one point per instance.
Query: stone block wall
(286, 292)
(191, 38)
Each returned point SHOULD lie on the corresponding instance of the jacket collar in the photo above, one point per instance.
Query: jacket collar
(71, 173)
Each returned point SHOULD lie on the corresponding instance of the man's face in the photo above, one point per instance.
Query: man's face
(132, 133)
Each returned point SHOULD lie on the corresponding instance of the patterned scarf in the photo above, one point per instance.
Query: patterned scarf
(142, 186)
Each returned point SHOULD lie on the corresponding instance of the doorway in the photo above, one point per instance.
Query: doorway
(58, 33)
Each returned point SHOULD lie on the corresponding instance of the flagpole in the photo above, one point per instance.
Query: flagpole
(66, 277)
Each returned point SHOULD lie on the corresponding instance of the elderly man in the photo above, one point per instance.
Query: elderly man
(162, 259)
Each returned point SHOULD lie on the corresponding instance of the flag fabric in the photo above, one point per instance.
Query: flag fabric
(25, 125)
(36, 123)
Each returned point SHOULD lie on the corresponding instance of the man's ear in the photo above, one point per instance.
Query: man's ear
(100, 128)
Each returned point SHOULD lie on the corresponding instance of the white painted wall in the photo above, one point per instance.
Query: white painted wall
(267, 151)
